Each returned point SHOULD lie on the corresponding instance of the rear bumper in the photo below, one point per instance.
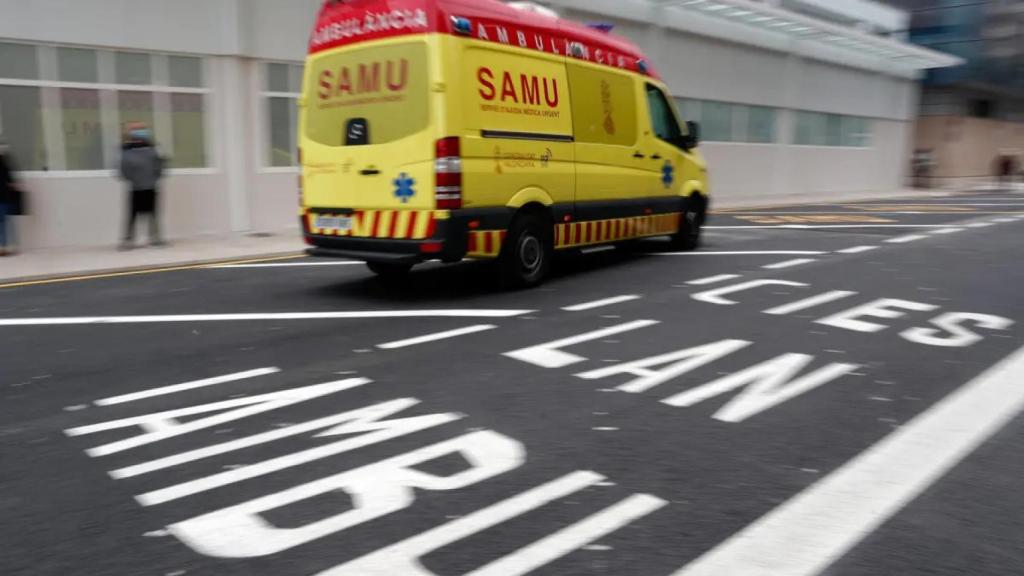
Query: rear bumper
(447, 243)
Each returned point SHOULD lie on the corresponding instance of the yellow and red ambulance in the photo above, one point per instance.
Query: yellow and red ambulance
(452, 129)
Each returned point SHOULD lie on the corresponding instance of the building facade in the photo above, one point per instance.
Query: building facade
(794, 96)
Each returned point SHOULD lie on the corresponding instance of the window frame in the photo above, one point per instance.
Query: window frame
(668, 101)
(262, 79)
(50, 86)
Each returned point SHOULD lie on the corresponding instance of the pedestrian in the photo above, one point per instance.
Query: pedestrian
(11, 201)
(1006, 170)
(142, 167)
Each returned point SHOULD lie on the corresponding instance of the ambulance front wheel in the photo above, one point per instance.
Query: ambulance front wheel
(690, 224)
(389, 271)
(526, 256)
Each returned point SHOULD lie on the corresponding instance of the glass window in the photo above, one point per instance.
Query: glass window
(295, 79)
(810, 129)
(185, 71)
(281, 132)
(76, 65)
(188, 122)
(834, 130)
(133, 68)
(717, 124)
(688, 109)
(83, 134)
(18, 61)
(135, 107)
(277, 78)
(760, 125)
(21, 125)
(856, 131)
(663, 120)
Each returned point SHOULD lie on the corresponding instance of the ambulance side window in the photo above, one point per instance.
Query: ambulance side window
(663, 120)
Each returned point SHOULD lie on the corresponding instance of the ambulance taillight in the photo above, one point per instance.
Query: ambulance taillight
(448, 174)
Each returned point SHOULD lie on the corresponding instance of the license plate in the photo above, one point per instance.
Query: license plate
(339, 223)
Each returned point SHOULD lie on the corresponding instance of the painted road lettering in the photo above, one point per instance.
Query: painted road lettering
(382, 488)
(550, 355)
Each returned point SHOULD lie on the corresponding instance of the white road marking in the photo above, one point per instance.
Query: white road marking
(713, 279)
(810, 302)
(284, 265)
(947, 231)
(186, 386)
(601, 303)
(597, 249)
(822, 226)
(73, 321)
(746, 253)
(1003, 220)
(789, 264)
(437, 336)
(811, 531)
(906, 239)
(858, 249)
(549, 356)
(980, 225)
(716, 296)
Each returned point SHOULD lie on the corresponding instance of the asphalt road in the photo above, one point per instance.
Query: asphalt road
(828, 389)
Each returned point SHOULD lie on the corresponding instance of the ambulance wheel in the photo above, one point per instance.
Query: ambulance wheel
(690, 224)
(526, 255)
(389, 271)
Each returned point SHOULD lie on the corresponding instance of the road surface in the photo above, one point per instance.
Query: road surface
(829, 389)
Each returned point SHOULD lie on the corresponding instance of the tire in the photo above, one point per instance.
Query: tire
(690, 226)
(526, 256)
(389, 271)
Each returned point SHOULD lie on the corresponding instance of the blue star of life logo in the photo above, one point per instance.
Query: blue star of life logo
(404, 187)
(668, 175)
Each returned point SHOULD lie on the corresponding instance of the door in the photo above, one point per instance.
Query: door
(667, 160)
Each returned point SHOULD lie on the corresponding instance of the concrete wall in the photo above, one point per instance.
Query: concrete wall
(966, 148)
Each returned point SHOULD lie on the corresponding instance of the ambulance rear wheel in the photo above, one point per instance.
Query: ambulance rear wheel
(526, 255)
(389, 271)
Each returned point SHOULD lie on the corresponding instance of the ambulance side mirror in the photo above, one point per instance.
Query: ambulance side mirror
(691, 139)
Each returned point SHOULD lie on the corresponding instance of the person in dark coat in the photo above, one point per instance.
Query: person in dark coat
(142, 167)
(9, 197)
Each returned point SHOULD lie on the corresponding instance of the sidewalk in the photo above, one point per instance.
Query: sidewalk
(36, 264)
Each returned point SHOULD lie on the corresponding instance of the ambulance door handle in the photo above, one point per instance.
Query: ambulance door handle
(656, 157)
(639, 155)
(370, 172)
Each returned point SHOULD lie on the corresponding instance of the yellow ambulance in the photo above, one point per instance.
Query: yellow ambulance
(453, 129)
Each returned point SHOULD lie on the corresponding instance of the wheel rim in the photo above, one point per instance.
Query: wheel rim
(531, 254)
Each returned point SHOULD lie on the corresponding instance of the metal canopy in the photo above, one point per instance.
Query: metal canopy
(805, 28)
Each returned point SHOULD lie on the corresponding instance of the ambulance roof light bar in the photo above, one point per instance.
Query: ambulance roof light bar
(533, 7)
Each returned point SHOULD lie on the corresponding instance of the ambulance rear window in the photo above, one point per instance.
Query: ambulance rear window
(381, 91)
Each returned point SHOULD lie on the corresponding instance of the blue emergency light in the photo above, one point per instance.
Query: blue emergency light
(462, 25)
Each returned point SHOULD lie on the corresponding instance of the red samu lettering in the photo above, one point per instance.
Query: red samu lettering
(486, 78)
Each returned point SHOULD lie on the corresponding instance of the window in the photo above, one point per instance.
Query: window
(663, 120)
(81, 127)
(281, 133)
(760, 125)
(282, 84)
(810, 129)
(717, 121)
(833, 130)
(817, 129)
(187, 122)
(92, 91)
(21, 125)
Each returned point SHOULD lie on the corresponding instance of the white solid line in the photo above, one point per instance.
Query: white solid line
(906, 239)
(810, 302)
(858, 249)
(713, 279)
(789, 264)
(980, 225)
(438, 336)
(186, 386)
(552, 547)
(601, 303)
(808, 533)
(822, 226)
(282, 265)
(1003, 220)
(947, 231)
(268, 316)
(748, 253)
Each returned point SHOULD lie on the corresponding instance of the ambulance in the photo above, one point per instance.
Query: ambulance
(454, 129)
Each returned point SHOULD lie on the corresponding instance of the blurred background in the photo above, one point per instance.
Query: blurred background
(794, 97)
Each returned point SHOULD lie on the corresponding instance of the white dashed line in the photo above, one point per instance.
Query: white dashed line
(947, 231)
(789, 264)
(747, 253)
(980, 225)
(713, 279)
(74, 321)
(811, 531)
(601, 303)
(821, 226)
(186, 386)
(906, 239)
(1003, 220)
(437, 336)
(858, 249)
